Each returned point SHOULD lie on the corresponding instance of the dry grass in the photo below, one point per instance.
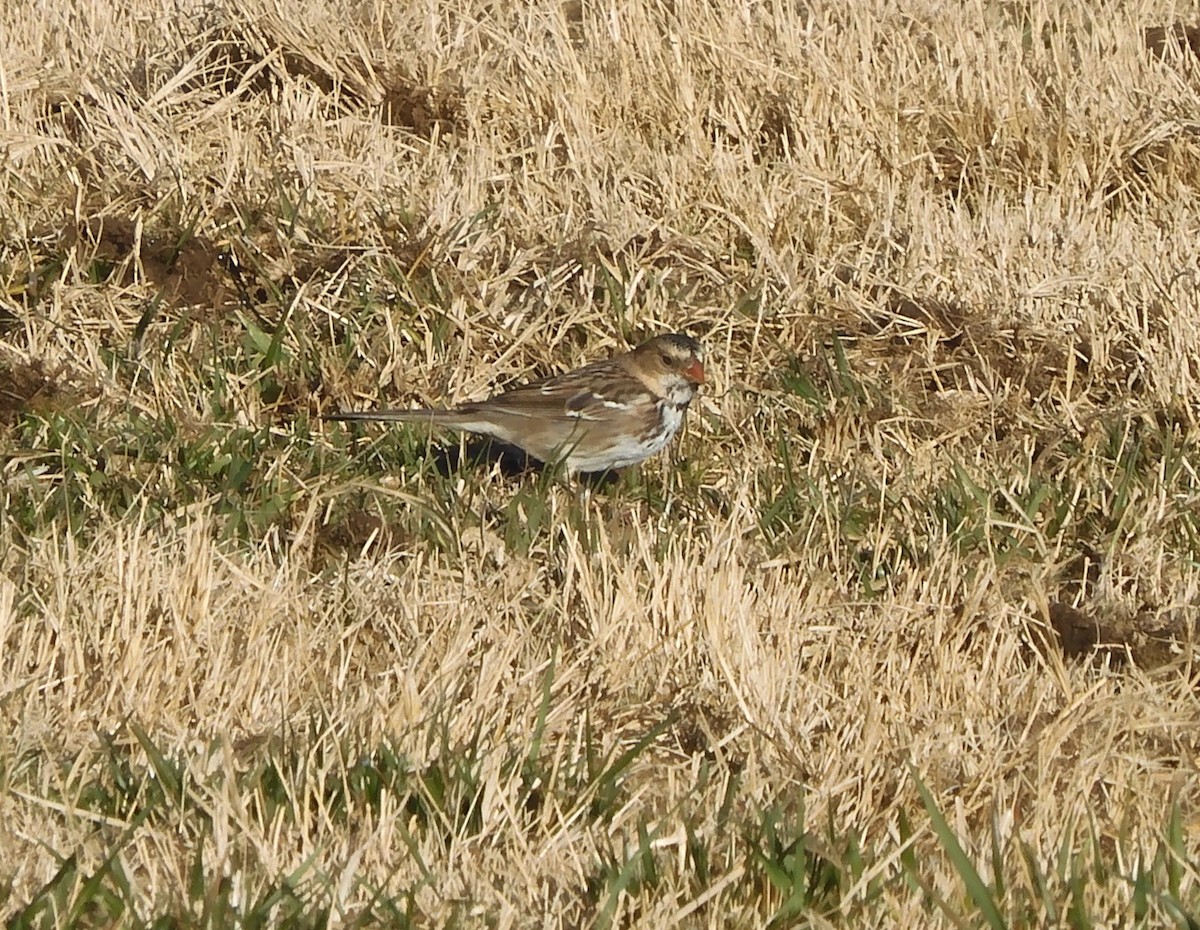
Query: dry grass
(901, 634)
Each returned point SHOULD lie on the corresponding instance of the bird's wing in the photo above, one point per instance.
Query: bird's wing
(597, 392)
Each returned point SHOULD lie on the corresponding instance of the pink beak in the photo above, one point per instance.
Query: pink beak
(694, 372)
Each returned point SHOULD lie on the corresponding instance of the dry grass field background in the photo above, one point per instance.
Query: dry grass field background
(901, 631)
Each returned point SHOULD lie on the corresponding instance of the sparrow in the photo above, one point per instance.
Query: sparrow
(605, 415)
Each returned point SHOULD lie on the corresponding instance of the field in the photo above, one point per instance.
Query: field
(901, 632)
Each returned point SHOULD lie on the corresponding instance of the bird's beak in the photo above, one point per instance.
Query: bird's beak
(694, 372)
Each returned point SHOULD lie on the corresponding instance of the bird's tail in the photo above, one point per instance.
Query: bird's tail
(451, 418)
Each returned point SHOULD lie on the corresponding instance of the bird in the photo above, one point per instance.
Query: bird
(606, 415)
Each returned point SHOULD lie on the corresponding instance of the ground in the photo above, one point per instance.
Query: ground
(900, 632)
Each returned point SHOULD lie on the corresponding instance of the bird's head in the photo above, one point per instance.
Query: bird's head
(672, 365)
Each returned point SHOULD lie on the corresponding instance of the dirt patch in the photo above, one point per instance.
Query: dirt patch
(261, 51)
(1171, 42)
(30, 386)
(945, 319)
(420, 108)
(186, 271)
(356, 528)
(1148, 641)
(258, 56)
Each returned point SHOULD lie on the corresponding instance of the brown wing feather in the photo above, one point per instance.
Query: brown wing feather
(567, 397)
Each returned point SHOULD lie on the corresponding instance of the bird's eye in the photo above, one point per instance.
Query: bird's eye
(667, 360)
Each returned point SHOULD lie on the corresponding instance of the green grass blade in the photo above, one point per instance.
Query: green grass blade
(976, 887)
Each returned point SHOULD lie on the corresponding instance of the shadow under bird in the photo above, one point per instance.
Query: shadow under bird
(605, 415)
